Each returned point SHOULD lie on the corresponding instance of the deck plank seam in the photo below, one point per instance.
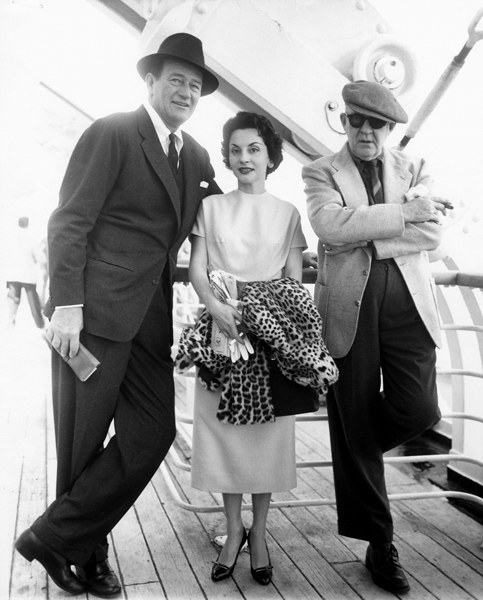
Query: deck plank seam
(180, 542)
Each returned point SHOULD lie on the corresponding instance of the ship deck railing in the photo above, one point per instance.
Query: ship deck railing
(449, 278)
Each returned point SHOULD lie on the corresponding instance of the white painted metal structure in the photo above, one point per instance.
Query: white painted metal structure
(286, 58)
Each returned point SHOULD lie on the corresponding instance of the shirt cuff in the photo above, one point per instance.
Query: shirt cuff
(70, 306)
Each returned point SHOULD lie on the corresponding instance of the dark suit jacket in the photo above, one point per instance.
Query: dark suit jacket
(119, 220)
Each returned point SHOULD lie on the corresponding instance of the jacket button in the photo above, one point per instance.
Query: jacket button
(155, 281)
(364, 273)
(358, 302)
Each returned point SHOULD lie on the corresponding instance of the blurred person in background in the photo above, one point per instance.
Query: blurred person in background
(24, 263)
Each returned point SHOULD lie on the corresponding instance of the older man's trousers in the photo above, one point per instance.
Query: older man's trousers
(98, 482)
(391, 341)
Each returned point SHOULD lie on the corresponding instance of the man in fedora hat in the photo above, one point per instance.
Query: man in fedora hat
(375, 294)
(128, 200)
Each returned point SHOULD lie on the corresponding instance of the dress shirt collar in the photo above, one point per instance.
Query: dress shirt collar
(360, 163)
(162, 131)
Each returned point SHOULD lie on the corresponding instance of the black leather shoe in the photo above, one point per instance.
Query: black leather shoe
(263, 575)
(100, 579)
(220, 571)
(383, 562)
(31, 548)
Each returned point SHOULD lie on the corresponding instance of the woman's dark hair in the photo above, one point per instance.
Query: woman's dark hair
(246, 120)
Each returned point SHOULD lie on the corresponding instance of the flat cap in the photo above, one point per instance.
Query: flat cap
(373, 99)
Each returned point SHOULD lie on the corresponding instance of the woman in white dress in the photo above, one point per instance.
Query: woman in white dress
(257, 237)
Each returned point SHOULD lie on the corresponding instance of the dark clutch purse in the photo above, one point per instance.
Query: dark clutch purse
(288, 397)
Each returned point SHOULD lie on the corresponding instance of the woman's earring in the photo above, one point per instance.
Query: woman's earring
(270, 163)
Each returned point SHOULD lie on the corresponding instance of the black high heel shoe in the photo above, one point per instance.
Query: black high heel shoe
(263, 575)
(220, 571)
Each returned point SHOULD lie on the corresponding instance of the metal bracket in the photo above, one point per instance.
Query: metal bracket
(332, 114)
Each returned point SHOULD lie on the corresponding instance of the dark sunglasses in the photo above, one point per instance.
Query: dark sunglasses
(357, 120)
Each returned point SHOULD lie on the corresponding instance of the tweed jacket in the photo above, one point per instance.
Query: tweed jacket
(120, 220)
(339, 212)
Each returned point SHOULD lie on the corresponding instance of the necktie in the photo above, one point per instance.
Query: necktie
(376, 186)
(173, 153)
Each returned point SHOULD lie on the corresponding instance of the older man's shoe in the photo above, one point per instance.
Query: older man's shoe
(100, 579)
(31, 548)
(383, 563)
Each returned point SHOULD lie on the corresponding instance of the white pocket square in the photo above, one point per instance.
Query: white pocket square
(204, 184)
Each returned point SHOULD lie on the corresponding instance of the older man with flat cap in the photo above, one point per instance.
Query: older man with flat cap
(375, 293)
(128, 200)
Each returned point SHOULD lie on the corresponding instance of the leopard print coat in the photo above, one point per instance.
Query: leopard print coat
(280, 315)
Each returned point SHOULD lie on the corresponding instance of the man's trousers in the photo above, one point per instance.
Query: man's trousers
(391, 341)
(132, 389)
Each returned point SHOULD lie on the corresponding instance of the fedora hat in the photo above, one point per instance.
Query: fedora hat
(186, 47)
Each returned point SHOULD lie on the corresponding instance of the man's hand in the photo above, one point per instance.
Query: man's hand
(64, 329)
(441, 204)
(309, 260)
(422, 209)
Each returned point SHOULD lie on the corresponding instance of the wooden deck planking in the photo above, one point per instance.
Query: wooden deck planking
(31, 581)
(448, 528)
(418, 538)
(438, 561)
(417, 545)
(161, 551)
(213, 524)
(194, 533)
(300, 553)
(290, 543)
(167, 553)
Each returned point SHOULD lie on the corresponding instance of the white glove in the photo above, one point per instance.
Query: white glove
(237, 349)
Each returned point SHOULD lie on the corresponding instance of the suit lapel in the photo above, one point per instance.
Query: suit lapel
(190, 175)
(348, 179)
(396, 180)
(158, 159)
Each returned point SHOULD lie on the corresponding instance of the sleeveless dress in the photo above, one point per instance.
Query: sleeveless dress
(248, 235)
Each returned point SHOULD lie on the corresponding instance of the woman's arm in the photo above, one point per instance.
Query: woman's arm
(293, 266)
(225, 316)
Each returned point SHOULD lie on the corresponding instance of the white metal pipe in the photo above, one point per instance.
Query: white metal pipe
(309, 502)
